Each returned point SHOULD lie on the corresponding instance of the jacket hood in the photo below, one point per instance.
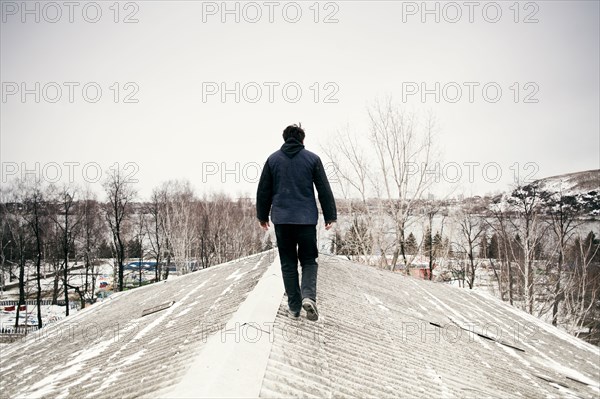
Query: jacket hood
(292, 147)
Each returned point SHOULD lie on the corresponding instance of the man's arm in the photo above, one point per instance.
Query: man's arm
(325, 194)
(264, 195)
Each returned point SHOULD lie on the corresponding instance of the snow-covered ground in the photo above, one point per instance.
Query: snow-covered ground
(104, 273)
(28, 317)
(50, 313)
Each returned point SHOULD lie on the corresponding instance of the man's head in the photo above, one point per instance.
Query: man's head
(294, 131)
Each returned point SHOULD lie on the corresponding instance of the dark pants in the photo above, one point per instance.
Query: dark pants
(298, 242)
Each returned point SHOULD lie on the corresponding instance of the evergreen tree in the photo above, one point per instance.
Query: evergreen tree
(134, 248)
(411, 244)
(492, 249)
(104, 250)
(484, 247)
(357, 240)
(427, 242)
(438, 244)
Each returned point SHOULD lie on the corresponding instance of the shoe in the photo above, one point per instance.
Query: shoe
(293, 315)
(310, 306)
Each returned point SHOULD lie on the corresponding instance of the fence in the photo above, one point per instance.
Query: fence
(44, 302)
(10, 333)
(21, 330)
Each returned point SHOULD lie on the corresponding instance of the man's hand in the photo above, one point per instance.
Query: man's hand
(329, 225)
(264, 225)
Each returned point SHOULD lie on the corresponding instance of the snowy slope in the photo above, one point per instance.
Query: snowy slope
(572, 183)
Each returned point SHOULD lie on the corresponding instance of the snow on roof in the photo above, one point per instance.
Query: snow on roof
(379, 334)
(111, 350)
(382, 334)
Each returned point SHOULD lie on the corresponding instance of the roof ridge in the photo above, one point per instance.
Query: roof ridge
(240, 351)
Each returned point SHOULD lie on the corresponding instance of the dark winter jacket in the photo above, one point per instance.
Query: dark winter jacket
(286, 187)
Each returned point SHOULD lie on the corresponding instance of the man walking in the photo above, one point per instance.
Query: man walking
(286, 191)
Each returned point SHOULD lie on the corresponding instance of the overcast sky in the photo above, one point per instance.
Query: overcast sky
(162, 67)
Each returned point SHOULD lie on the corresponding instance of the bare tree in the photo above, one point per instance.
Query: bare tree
(67, 220)
(140, 227)
(500, 224)
(36, 211)
(491, 252)
(525, 201)
(242, 233)
(404, 152)
(471, 229)
(351, 165)
(179, 222)
(15, 218)
(120, 193)
(393, 166)
(155, 229)
(562, 211)
(5, 267)
(54, 256)
(225, 229)
(352, 177)
(434, 246)
(91, 235)
(582, 291)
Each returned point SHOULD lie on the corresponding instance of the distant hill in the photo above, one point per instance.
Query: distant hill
(572, 183)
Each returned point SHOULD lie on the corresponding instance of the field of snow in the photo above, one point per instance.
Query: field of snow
(104, 273)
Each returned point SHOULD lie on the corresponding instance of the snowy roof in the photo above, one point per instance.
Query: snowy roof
(227, 334)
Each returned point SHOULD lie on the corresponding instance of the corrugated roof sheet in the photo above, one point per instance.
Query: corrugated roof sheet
(377, 337)
(109, 350)
(379, 334)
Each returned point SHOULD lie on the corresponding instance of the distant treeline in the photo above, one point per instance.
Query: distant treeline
(44, 229)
